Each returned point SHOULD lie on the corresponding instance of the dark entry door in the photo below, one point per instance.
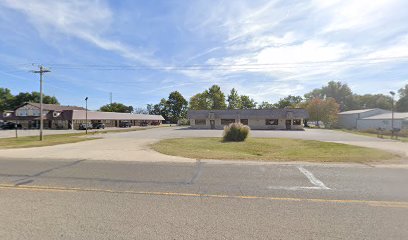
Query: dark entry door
(288, 124)
(212, 123)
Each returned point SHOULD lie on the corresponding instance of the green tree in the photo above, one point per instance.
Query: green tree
(234, 100)
(200, 101)
(337, 90)
(216, 98)
(403, 92)
(6, 99)
(373, 101)
(315, 93)
(402, 103)
(159, 109)
(210, 99)
(24, 97)
(266, 105)
(247, 103)
(324, 110)
(176, 106)
(116, 107)
(289, 102)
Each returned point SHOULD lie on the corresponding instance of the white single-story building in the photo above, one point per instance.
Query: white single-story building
(254, 118)
(349, 119)
(384, 121)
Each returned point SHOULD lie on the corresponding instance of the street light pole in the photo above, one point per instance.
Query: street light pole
(392, 114)
(86, 115)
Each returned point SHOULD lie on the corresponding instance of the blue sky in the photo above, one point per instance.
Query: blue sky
(142, 50)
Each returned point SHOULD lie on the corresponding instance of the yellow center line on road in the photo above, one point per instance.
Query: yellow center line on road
(387, 204)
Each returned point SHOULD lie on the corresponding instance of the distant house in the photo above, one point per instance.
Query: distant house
(70, 117)
(254, 118)
(349, 119)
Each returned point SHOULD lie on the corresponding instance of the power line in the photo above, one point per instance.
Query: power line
(243, 66)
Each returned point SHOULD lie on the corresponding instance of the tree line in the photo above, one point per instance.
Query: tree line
(323, 103)
(8, 101)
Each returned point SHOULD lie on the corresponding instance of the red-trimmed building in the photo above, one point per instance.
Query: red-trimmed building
(70, 117)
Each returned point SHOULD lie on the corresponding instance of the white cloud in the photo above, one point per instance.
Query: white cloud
(347, 15)
(86, 20)
(308, 51)
(399, 49)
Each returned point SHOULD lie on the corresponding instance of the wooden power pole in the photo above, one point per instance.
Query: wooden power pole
(41, 72)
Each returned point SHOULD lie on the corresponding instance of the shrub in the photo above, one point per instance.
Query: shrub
(183, 122)
(235, 132)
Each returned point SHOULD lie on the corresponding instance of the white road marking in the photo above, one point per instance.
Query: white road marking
(296, 188)
(312, 178)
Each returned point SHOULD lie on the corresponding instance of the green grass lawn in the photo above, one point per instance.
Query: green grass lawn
(270, 149)
(33, 141)
(402, 139)
(49, 140)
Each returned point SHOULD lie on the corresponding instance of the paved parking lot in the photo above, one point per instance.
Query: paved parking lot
(134, 146)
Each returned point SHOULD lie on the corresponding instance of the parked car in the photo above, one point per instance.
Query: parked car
(84, 126)
(11, 125)
(125, 124)
(143, 124)
(98, 126)
(155, 123)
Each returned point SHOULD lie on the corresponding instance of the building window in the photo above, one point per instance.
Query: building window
(36, 112)
(227, 121)
(200, 122)
(244, 121)
(297, 121)
(271, 122)
(21, 112)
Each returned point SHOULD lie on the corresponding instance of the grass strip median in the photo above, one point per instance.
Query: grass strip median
(49, 140)
(371, 134)
(56, 139)
(270, 149)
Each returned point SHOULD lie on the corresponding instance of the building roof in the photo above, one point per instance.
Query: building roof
(250, 113)
(94, 115)
(358, 111)
(53, 107)
(388, 116)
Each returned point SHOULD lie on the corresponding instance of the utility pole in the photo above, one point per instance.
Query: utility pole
(392, 114)
(111, 98)
(86, 115)
(41, 72)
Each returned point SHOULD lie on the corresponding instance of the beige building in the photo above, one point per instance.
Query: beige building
(255, 118)
(384, 121)
(349, 119)
(70, 117)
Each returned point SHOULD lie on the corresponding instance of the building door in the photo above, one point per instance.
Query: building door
(288, 124)
(212, 123)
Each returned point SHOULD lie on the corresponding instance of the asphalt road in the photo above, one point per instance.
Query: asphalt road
(80, 199)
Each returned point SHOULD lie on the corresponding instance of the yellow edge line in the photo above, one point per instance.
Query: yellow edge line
(317, 200)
